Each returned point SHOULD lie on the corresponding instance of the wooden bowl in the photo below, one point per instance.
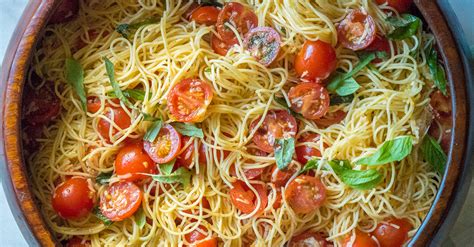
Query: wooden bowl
(15, 176)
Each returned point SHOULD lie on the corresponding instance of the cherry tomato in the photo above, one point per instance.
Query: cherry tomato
(357, 30)
(360, 239)
(132, 161)
(166, 145)
(205, 15)
(116, 114)
(263, 43)
(281, 177)
(189, 99)
(78, 242)
(93, 104)
(305, 152)
(442, 108)
(277, 124)
(393, 232)
(278, 198)
(73, 199)
(315, 61)
(219, 46)
(240, 17)
(199, 239)
(309, 99)
(41, 106)
(331, 118)
(308, 239)
(402, 6)
(380, 44)
(120, 201)
(305, 194)
(187, 14)
(186, 157)
(245, 200)
(65, 12)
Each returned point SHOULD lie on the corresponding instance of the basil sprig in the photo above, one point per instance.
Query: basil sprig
(284, 150)
(109, 66)
(103, 178)
(405, 26)
(436, 70)
(390, 151)
(126, 29)
(75, 77)
(153, 131)
(188, 129)
(433, 154)
(98, 214)
(181, 175)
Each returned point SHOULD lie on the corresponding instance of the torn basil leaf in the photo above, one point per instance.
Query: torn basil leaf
(153, 131)
(188, 129)
(148, 117)
(97, 213)
(433, 154)
(405, 26)
(140, 218)
(126, 29)
(357, 179)
(75, 77)
(136, 94)
(390, 151)
(109, 66)
(103, 178)
(284, 150)
(436, 70)
(336, 99)
(344, 87)
(181, 175)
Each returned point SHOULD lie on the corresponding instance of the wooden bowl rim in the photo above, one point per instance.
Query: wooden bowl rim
(17, 61)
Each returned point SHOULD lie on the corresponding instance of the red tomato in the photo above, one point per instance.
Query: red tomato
(442, 107)
(245, 200)
(93, 104)
(263, 43)
(205, 15)
(200, 238)
(78, 242)
(357, 30)
(186, 157)
(65, 12)
(315, 61)
(360, 239)
(393, 232)
(401, 6)
(305, 194)
(73, 199)
(219, 46)
(380, 44)
(41, 106)
(277, 124)
(309, 99)
(305, 152)
(308, 239)
(281, 177)
(187, 14)
(166, 145)
(331, 118)
(120, 201)
(116, 114)
(237, 15)
(132, 161)
(189, 99)
(278, 198)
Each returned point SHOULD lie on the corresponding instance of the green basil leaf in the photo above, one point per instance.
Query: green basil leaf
(310, 165)
(344, 87)
(75, 77)
(405, 27)
(167, 168)
(140, 218)
(188, 129)
(336, 99)
(103, 177)
(181, 175)
(283, 103)
(284, 150)
(433, 154)
(126, 29)
(106, 221)
(390, 151)
(136, 94)
(153, 131)
(109, 66)
(148, 117)
(436, 71)
(361, 180)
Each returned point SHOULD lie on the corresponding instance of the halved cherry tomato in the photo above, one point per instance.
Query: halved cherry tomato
(120, 201)
(380, 44)
(309, 99)
(240, 17)
(118, 115)
(308, 239)
(220, 47)
(93, 104)
(402, 6)
(263, 43)
(65, 12)
(205, 15)
(187, 14)
(40, 107)
(166, 145)
(277, 124)
(132, 161)
(78, 242)
(189, 99)
(359, 239)
(305, 152)
(315, 61)
(200, 238)
(245, 200)
(331, 118)
(281, 177)
(441, 105)
(186, 157)
(73, 199)
(393, 232)
(305, 194)
(357, 30)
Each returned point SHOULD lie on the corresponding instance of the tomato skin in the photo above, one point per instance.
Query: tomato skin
(198, 239)
(310, 99)
(166, 145)
(351, 29)
(305, 194)
(93, 104)
(40, 106)
(220, 47)
(402, 6)
(361, 239)
(120, 201)
(212, 242)
(281, 177)
(389, 236)
(186, 157)
(308, 239)
(315, 61)
(73, 199)
(305, 152)
(189, 99)
(245, 200)
(442, 107)
(132, 160)
(119, 116)
(380, 44)
(77, 242)
(235, 13)
(263, 43)
(65, 12)
(277, 124)
(205, 15)
(331, 118)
